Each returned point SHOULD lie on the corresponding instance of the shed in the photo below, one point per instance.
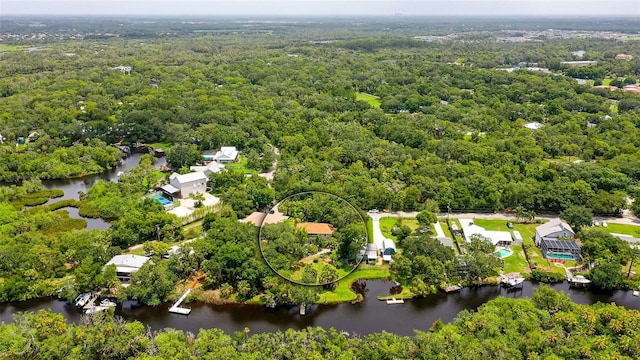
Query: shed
(388, 249)
(515, 234)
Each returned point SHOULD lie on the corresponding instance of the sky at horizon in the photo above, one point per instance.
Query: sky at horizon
(324, 7)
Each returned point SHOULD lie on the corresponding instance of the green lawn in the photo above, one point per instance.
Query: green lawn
(343, 293)
(318, 266)
(370, 229)
(161, 145)
(516, 262)
(388, 223)
(241, 166)
(371, 99)
(626, 229)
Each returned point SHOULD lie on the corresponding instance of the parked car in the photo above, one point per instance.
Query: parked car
(604, 224)
(510, 225)
(596, 223)
(374, 211)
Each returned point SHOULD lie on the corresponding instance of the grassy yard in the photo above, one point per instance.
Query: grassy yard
(161, 145)
(241, 166)
(343, 293)
(516, 262)
(527, 231)
(371, 99)
(445, 228)
(388, 223)
(370, 229)
(626, 229)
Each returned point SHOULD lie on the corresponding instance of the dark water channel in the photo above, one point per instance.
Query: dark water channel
(367, 317)
(71, 187)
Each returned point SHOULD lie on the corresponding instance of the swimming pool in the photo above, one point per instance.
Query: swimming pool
(503, 253)
(559, 256)
(162, 200)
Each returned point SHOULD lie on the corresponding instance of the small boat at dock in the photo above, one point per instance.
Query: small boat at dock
(82, 299)
(395, 301)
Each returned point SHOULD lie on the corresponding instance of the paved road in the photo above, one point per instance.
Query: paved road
(628, 217)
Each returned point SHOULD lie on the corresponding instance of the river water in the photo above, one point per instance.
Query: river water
(364, 318)
(72, 187)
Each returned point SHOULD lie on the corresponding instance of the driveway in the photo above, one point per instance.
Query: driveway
(377, 233)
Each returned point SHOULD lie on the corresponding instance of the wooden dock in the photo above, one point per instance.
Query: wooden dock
(176, 307)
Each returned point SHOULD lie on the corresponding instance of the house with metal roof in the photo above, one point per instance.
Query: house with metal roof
(183, 186)
(371, 253)
(227, 154)
(553, 230)
(212, 167)
(497, 238)
(127, 264)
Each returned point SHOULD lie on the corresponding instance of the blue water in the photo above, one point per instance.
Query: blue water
(560, 256)
(503, 253)
(162, 200)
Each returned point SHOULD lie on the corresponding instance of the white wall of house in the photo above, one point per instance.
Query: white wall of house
(190, 187)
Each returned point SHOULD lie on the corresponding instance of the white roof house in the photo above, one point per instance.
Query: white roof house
(496, 237)
(127, 264)
(195, 182)
(211, 168)
(554, 230)
(226, 154)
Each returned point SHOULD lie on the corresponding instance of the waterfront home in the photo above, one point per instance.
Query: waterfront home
(127, 264)
(553, 230)
(497, 238)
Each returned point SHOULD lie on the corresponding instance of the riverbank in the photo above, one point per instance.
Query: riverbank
(343, 291)
(366, 317)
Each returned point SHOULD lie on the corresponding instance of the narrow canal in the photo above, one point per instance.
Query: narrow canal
(367, 317)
